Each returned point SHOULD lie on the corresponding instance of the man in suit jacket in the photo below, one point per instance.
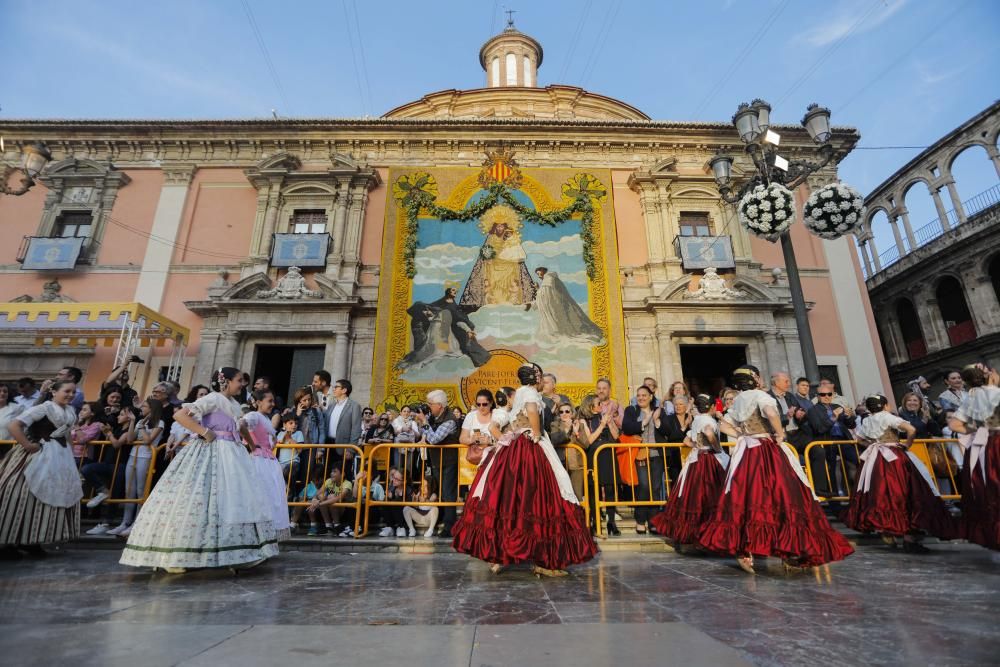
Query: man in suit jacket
(343, 424)
(828, 420)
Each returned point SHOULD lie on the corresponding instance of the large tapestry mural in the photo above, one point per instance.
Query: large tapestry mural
(484, 269)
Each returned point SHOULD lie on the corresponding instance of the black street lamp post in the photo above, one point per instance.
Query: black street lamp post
(752, 122)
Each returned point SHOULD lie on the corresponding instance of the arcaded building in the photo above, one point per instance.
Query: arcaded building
(936, 290)
(404, 252)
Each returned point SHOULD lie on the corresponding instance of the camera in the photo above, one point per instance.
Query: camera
(134, 359)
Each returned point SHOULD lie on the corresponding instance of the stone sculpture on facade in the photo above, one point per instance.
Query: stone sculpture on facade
(713, 288)
(292, 285)
(51, 293)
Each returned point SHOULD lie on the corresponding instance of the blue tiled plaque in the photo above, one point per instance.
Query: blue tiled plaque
(300, 250)
(45, 254)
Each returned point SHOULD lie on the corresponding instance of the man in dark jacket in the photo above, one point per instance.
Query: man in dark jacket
(827, 420)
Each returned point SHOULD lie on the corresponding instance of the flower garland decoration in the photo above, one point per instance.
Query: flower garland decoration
(767, 211)
(417, 194)
(833, 210)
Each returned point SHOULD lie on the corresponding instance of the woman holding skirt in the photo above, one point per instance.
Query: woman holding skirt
(978, 422)
(206, 510)
(40, 487)
(895, 495)
(258, 429)
(767, 507)
(696, 494)
(521, 505)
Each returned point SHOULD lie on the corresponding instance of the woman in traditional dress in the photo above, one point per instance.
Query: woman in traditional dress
(895, 495)
(40, 487)
(9, 409)
(767, 507)
(699, 486)
(259, 430)
(205, 511)
(978, 420)
(521, 506)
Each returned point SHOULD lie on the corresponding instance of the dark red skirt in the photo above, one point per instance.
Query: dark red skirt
(898, 502)
(684, 515)
(770, 512)
(521, 516)
(981, 498)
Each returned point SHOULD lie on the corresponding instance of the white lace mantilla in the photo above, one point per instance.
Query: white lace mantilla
(979, 406)
(747, 403)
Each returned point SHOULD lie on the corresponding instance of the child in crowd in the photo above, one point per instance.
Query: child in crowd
(307, 495)
(288, 457)
(392, 515)
(335, 490)
(424, 516)
(145, 434)
(177, 438)
(87, 428)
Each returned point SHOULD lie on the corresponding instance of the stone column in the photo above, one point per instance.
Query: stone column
(910, 238)
(228, 344)
(339, 224)
(875, 260)
(982, 300)
(893, 220)
(339, 355)
(931, 323)
(956, 202)
(166, 224)
(863, 250)
(208, 350)
(773, 353)
(893, 340)
(665, 346)
(939, 205)
(994, 154)
(793, 352)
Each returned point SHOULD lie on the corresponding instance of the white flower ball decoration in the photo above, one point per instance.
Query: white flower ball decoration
(833, 211)
(767, 211)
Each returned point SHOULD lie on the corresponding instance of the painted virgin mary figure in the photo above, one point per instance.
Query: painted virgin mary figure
(560, 317)
(499, 276)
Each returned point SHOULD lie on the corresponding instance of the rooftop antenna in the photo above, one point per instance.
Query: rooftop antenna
(274, 114)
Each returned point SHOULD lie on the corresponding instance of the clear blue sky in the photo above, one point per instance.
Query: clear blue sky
(904, 72)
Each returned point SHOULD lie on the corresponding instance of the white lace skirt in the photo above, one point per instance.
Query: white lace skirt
(273, 494)
(183, 523)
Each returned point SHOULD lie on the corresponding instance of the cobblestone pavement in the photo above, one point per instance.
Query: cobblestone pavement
(878, 607)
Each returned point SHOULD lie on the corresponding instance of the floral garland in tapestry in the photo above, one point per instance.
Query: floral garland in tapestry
(417, 193)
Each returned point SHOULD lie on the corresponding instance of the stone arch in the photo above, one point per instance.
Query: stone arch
(954, 309)
(973, 172)
(919, 203)
(689, 190)
(910, 329)
(309, 188)
(283, 160)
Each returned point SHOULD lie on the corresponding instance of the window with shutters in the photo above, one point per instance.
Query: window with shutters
(694, 224)
(73, 224)
(308, 221)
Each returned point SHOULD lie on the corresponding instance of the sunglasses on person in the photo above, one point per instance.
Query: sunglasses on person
(566, 412)
(483, 405)
(824, 393)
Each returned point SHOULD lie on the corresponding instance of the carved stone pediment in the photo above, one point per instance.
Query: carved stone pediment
(247, 288)
(742, 288)
(51, 293)
(258, 287)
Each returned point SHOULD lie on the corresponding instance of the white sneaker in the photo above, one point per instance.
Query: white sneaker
(412, 533)
(400, 532)
(347, 532)
(99, 529)
(117, 530)
(429, 532)
(386, 532)
(98, 499)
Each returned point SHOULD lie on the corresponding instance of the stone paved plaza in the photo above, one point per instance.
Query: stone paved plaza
(79, 607)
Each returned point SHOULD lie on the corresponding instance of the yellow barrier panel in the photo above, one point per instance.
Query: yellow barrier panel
(410, 451)
(319, 462)
(920, 448)
(640, 470)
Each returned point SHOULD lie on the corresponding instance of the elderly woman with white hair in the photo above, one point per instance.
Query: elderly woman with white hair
(521, 506)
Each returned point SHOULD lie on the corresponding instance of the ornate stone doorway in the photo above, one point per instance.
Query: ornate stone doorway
(707, 368)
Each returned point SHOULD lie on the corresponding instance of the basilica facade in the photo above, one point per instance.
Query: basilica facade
(288, 245)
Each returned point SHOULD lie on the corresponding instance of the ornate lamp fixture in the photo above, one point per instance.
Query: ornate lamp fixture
(765, 198)
(34, 157)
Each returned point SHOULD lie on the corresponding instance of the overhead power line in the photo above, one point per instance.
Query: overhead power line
(577, 34)
(602, 38)
(740, 58)
(364, 62)
(267, 55)
(354, 56)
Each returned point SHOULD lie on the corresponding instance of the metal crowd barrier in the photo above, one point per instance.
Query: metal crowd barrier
(319, 462)
(630, 499)
(410, 457)
(843, 488)
(95, 452)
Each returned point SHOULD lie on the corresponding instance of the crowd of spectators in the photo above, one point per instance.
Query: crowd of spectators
(327, 480)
